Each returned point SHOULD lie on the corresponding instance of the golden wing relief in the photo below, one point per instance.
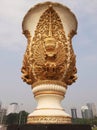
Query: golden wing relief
(39, 61)
(25, 70)
(71, 73)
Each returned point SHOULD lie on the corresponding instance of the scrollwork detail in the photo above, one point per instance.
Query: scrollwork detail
(49, 55)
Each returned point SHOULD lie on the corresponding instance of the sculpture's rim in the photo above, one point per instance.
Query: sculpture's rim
(56, 82)
(49, 3)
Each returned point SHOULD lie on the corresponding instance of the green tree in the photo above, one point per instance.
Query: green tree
(91, 122)
(12, 118)
(17, 118)
(22, 117)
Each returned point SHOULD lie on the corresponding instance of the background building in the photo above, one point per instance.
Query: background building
(86, 114)
(13, 108)
(2, 113)
(92, 108)
(74, 113)
(0, 105)
(88, 111)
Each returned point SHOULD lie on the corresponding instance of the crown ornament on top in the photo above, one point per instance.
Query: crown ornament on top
(49, 57)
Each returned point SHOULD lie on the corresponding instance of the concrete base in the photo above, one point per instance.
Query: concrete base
(49, 127)
(49, 109)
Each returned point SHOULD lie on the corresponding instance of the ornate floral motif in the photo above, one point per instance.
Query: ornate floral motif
(48, 120)
(49, 55)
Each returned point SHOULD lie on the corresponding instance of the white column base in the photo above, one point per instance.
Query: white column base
(49, 109)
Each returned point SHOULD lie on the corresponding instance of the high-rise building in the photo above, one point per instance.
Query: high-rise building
(92, 109)
(85, 112)
(2, 114)
(88, 111)
(0, 105)
(13, 108)
(74, 113)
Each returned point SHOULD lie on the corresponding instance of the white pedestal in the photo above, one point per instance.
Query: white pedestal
(49, 109)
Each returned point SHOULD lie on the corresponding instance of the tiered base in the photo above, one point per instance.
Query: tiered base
(49, 109)
(49, 127)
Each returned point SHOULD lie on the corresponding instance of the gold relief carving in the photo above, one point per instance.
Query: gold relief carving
(25, 68)
(70, 76)
(56, 82)
(49, 92)
(49, 55)
(48, 120)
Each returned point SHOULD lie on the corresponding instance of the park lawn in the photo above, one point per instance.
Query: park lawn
(94, 129)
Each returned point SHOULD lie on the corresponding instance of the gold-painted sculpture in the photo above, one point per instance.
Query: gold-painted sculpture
(49, 57)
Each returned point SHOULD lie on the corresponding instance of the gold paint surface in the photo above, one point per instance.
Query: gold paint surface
(49, 92)
(49, 55)
(48, 120)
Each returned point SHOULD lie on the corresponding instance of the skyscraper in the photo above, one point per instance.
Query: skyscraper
(2, 114)
(85, 112)
(74, 113)
(13, 108)
(88, 111)
(0, 105)
(92, 108)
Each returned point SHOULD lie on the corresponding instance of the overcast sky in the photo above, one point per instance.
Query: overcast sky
(13, 44)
